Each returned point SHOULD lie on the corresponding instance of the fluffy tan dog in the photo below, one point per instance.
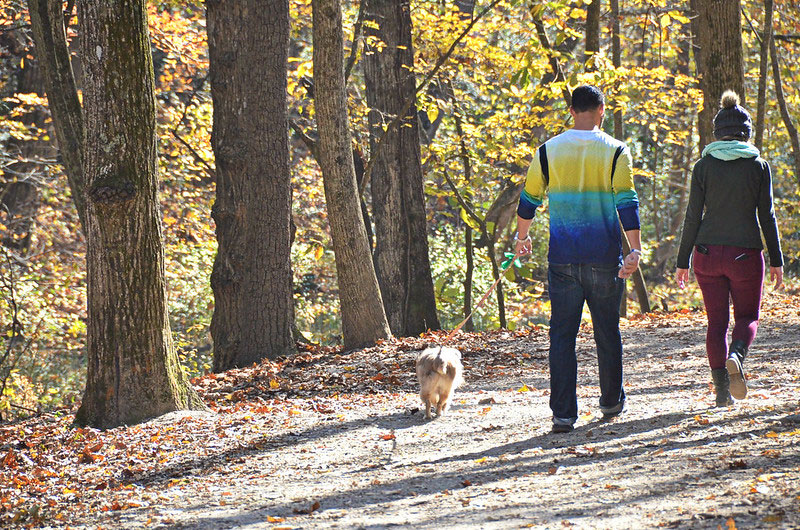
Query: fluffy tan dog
(439, 373)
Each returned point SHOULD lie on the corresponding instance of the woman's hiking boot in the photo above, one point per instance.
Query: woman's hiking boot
(735, 366)
(721, 387)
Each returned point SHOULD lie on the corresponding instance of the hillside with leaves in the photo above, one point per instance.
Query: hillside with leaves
(350, 419)
(328, 439)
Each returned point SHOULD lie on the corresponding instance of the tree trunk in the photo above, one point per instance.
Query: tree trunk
(47, 23)
(592, 33)
(619, 133)
(719, 34)
(763, 75)
(248, 43)
(616, 59)
(133, 369)
(465, 7)
(398, 203)
(679, 173)
(640, 288)
(469, 325)
(703, 132)
(791, 130)
(363, 319)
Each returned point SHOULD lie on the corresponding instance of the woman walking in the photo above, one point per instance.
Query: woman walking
(730, 196)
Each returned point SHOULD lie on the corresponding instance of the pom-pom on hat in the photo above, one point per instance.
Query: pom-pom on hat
(732, 120)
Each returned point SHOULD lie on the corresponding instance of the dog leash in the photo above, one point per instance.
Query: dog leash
(517, 254)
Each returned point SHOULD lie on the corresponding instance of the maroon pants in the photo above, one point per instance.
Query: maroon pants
(729, 273)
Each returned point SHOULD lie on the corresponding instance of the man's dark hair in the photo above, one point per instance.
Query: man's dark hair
(587, 97)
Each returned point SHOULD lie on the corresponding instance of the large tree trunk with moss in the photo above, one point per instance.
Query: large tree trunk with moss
(52, 52)
(363, 318)
(398, 203)
(718, 29)
(252, 279)
(133, 369)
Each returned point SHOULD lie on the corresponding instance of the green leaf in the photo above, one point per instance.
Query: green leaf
(469, 220)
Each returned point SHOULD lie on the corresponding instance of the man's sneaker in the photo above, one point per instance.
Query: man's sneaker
(610, 412)
(562, 427)
(738, 381)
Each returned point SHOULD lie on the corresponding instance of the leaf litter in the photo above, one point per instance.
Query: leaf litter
(327, 438)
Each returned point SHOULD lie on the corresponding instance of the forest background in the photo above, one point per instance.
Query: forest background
(496, 97)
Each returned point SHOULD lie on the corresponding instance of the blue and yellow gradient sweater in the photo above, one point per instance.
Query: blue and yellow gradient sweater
(584, 198)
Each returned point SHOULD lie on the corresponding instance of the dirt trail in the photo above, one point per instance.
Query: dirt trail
(669, 461)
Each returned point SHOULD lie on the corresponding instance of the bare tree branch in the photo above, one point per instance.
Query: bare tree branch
(558, 72)
(351, 61)
(209, 170)
(310, 143)
(6, 29)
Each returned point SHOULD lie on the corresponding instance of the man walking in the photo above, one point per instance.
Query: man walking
(588, 175)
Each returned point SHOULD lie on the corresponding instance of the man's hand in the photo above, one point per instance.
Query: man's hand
(522, 246)
(776, 275)
(682, 276)
(630, 265)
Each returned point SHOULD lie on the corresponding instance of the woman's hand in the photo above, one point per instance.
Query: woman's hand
(776, 275)
(682, 276)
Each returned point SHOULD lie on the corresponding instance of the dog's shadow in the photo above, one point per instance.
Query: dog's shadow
(408, 418)
(411, 417)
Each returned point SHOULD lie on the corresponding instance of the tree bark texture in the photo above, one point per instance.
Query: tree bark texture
(592, 33)
(763, 75)
(398, 203)
(719, 34)
(363, 318)
(133, 369)
(52, 52)
(252, 278)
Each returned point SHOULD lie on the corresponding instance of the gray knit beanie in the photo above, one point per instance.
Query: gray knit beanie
(732, 119)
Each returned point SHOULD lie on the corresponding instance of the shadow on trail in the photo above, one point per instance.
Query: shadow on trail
(662, 389)
(267, 443)
(458, 482)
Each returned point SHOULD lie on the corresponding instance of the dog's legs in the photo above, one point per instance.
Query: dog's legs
(444, 404)
(426, 404)
(437, 403)
(441, 406)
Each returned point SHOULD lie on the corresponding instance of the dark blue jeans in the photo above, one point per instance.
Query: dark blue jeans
(601, 288)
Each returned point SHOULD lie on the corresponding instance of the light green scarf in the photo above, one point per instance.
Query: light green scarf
(731, 150)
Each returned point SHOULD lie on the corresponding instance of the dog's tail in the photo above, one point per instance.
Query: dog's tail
(439, 365)
(444, 366)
